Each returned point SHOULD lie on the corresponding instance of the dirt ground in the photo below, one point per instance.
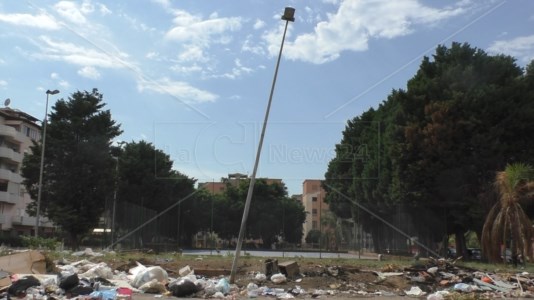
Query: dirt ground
(334, 278)
(330, 276)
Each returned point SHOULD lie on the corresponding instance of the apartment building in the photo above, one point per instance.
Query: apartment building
(17, 131)
(313, 196)
(218, 187)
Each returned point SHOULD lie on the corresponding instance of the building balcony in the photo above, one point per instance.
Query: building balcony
(12, 134)
(11, 154)
(7, 197)
(10, 176)
(8, 131)
(2, 219)
(30, 221)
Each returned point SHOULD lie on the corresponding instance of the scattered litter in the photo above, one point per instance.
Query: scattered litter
(148, 274)
(463, 287)
(87, 252)
(278, 278)
(415, 291)
(439, 295)
(185, 271)
(183, 288)
(20, 286)
(441, 279)
(260, 277)
(223, 286)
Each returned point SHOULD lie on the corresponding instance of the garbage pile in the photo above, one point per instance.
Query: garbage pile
(23, 275)
(439, 278)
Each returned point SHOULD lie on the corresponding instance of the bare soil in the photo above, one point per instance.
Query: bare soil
(334, 276)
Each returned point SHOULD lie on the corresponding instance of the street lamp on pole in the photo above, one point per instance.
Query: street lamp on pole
(288, 16)
(45, 120)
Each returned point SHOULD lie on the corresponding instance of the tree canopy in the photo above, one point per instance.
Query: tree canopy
(424, 159)
(78, 166)
(272, 213)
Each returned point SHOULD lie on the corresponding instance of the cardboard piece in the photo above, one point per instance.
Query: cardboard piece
(29, 262)
(289, 268)
(5, 281)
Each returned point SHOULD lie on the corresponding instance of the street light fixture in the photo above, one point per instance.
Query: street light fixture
(288, 16)
(48, 93)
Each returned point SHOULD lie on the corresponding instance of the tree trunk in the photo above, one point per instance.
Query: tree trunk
(461, 250)
(75, 241)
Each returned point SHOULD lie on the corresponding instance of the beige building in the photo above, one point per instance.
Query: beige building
(218, 187)
(17, 131)
(313, 196)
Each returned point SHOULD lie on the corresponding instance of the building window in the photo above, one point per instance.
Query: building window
(314, 199)
(3, 186)
(314, 211)
(314, 224)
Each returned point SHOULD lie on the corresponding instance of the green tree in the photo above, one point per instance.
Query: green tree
(507, 224)
(313, 236)
(272, 213)
(147, 178)
(78, 166)
(430, 147)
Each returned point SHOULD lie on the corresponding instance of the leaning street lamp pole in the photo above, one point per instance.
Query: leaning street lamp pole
(45, 120)
(288, 16)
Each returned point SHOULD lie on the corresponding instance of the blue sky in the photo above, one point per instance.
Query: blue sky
(193, 77)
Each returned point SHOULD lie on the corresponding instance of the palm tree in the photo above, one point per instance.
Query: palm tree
(506, 223)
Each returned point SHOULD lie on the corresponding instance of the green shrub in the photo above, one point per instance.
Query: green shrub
(39, 242)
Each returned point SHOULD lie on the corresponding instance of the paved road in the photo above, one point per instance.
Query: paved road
(287, 254)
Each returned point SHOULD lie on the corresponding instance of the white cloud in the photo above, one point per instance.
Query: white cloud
(195, 68)
(77, 55)
(164, 3)
(259, 24)
(3, 84)
(178, 89)
(64, 84)
(152, 55)
(137, 25)
(42, 20)
(237, 71)
(71, 11)
(89, 72)
(355, 23)
(104, 10)
(2, 61)
(520, 47)
(249, 47)
(193, 53)
(87, 7)
(195, 30)
(54, 75)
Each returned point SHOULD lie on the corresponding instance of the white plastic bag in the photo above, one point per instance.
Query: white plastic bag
(148, 274)
(278, 278)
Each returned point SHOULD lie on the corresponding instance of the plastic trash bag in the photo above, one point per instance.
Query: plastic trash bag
(153, 287)
(149, 274)
(183, 288)
(278, 278)
(68, 282)
(260, 277)
(223, 286)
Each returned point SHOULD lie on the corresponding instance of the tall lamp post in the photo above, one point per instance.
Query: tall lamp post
(48, 93)
(289, 15)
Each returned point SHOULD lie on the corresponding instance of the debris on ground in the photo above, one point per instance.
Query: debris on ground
(433, 279)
